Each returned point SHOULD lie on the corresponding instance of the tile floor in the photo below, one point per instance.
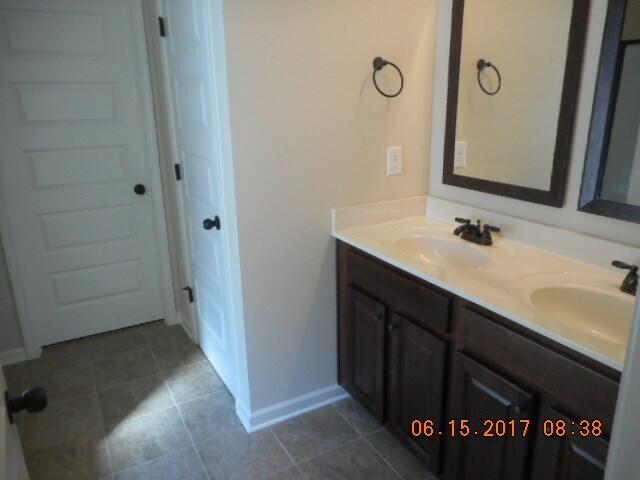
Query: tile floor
(143, 403)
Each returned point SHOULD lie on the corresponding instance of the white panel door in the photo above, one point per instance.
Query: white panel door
(12, 465)
(73, 146)
(189, 61)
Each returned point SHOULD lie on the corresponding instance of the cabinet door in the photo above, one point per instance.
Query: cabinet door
(362, 346)
(482, 396)
(570, 457)
(416, 378)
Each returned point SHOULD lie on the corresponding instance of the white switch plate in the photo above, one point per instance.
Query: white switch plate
(460, 156)
(394, 161)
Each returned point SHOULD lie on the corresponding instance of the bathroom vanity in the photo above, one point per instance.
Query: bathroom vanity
(440, 340)
(493, 359)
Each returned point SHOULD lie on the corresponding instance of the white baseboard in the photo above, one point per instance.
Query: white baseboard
(265, 417)
(13, 356)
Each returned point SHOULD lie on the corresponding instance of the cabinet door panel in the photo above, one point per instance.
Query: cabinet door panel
(484, 395)
(424, 304)
(363, 329)
(571, 457)
(588, 392)
(417, 369)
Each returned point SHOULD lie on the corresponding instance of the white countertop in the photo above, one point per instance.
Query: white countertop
(504, 283)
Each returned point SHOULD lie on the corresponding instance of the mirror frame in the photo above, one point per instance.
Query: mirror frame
(566, 118)
(606, 96)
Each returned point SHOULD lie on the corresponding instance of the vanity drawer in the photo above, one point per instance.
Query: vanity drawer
(428, 307)
(576, 387)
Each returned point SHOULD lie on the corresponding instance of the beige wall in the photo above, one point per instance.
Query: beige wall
(310, 134)
(10, 334)
(567, 217)
(512, 135)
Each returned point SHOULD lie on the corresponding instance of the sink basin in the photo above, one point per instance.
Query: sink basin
(442, 252)
(602, 315)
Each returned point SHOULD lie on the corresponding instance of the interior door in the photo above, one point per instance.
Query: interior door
(189, 60)
(74, 141)
(12, 465)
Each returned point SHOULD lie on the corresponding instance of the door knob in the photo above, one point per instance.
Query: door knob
(140, 189)
(209, 224)
(33, 400)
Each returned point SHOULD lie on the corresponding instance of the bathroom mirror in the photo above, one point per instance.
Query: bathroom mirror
(611, 180)
(514, 75)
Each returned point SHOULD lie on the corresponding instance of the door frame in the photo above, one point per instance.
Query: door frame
(179, 244)
(14, 262)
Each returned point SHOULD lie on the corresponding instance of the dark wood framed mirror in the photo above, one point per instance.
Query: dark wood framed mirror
(514, 75)
(611, 178)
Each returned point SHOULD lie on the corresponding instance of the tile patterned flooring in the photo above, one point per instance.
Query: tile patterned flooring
(143, 403)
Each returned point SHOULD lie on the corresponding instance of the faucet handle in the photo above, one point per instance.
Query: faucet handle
(625, 266)
(630, 283)
(486, 234)
(466, 221)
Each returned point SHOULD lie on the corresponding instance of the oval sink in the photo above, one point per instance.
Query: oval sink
(443, 252)
(598, 314)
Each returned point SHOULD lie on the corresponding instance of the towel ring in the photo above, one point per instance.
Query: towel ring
(378, 64)
(482, 64)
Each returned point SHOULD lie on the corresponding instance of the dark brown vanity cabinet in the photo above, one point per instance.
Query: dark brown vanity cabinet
(393, 348)
(417, 361)
(571, 457)
(487, 403)
(363, 333)
(515, 434)
(409, 351)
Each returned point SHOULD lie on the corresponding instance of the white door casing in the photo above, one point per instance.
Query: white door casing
(88, 254)
(188, 57)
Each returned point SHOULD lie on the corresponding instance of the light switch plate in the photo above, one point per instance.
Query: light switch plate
(394, 161)
(460, 155)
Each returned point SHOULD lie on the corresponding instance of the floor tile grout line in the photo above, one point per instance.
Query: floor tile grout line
(175, 403)
(342, 445)
(295, 465)
(90, 361)
(102, 423)
(366, 440)
(383, 458)
(275, 435)
(174, 406)
(200, 397)
(148, 462)
(184, 424)
(193, 443)
(162, 374)
(360, 434)
(305, 460)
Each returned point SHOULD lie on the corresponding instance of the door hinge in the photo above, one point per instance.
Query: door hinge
(178, 171)
(189, 291)
(161, 27)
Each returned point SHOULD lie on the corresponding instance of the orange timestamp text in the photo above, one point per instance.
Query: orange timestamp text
(506, 428)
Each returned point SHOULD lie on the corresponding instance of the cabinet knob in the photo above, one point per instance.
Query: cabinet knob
(392, 328)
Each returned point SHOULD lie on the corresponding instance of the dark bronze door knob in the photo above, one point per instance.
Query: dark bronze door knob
(33, 400)
(140, 189)
(209, 224)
